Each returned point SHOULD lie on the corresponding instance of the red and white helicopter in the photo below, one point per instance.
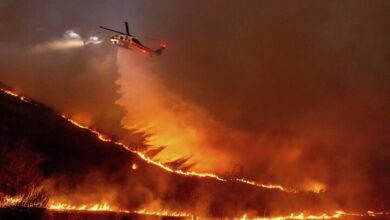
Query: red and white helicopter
(128, 41)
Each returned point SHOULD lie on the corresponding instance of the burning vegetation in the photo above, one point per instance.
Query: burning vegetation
(51, 161)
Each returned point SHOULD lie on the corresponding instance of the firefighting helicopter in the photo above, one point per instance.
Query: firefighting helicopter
(128, 41)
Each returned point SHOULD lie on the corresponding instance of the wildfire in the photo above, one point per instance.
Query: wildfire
(7, 201)
(338, 214)
(20, 97)
(134, 166)
(105, 207)
(165, 213)
(302, 216)
(374, 214)
(21, 200)
(95, 207)
(104, 138)
(268, 186)
(315, 186)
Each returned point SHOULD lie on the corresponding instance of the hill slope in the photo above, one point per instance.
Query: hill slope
(41, 149)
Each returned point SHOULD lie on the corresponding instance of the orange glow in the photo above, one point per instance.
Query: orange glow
(163, 45)
(303, 216)
(7, 201)
(315, 186)
(295, 216)
(20, 97)
(94, 207)
(186, 173)
(312, 186)
(375, 214)
(82, 118)
(105, 138)
(164, 213)
(185, 129)
(168, 120)
(268, 186)
(337, 214)
(105, 207)
(19, 201)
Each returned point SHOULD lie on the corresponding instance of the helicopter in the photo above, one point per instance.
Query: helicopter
(128, 41)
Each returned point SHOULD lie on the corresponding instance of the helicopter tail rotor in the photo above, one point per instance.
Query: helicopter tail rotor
(160, 50)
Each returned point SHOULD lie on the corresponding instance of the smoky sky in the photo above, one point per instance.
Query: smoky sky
(305, 84)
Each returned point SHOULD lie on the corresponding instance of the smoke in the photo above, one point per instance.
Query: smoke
(292, 93)
(167, 119)
(296, 100)
(70, 40)
(61, 60)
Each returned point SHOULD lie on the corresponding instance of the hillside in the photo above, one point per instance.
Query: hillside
(42, 150)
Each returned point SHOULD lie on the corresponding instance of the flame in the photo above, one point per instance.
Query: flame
(104, 138)
(20, 97)
(94, 207)
(20, 200)
(165, 213)
(268, 186)
(316, 187)
(106, 207)
(301, 216)
(337, 214)
(375, 214)
(7, 201)
(155, 109)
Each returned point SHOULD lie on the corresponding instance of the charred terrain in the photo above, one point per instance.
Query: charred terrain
(53, 169)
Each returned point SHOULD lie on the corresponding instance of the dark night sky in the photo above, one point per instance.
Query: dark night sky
(293, 91)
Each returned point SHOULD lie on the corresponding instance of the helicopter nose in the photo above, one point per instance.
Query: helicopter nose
(113, 40)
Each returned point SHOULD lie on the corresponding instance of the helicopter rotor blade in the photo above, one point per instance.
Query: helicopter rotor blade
(127, 28)
(114, 30)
